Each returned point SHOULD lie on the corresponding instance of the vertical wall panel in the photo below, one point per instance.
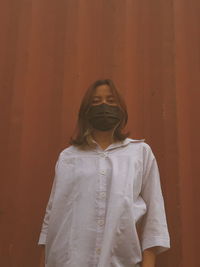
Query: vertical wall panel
(187, 22)
(50, 52)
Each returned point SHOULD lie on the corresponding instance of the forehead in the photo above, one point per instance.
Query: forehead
(103, 90)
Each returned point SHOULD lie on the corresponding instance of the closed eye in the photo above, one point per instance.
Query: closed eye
(96, 100)
(109, 100)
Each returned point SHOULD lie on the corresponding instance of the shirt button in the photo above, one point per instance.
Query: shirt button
(98, 251)
(102, 194)
(102, 172)
(101, 222)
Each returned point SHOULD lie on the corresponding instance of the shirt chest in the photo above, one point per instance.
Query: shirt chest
(120, 173)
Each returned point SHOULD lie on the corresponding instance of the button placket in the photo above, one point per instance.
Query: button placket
(101, 200)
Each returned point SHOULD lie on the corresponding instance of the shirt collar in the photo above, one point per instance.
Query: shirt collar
(125, 142)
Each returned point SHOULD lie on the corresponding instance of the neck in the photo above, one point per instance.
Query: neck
(103, 138)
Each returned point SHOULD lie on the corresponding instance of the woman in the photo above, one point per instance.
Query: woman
(106, 188)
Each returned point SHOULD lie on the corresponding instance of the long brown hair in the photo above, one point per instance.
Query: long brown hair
(83, 127)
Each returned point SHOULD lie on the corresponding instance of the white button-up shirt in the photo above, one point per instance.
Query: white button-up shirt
(98, 200)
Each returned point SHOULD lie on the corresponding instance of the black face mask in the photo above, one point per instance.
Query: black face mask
(104, 117)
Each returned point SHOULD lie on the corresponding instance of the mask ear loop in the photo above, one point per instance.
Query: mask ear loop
(114, 129)
(87, 134)
(117, 123)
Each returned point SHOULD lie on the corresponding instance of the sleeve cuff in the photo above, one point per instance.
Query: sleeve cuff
(161, 244)
(42, 239)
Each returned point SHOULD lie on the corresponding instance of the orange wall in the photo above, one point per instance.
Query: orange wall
(50, 51)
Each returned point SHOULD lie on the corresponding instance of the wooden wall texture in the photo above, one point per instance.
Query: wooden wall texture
(50, 51)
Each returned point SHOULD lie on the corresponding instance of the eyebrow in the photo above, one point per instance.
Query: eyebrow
(96, 96)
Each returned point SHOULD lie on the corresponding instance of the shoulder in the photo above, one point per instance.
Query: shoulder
(140, 145)
(73, 151)
(137, 142)
(66, 155)
(69, 151)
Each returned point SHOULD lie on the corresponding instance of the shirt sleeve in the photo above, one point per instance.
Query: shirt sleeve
(154, 224)
(44, 229)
